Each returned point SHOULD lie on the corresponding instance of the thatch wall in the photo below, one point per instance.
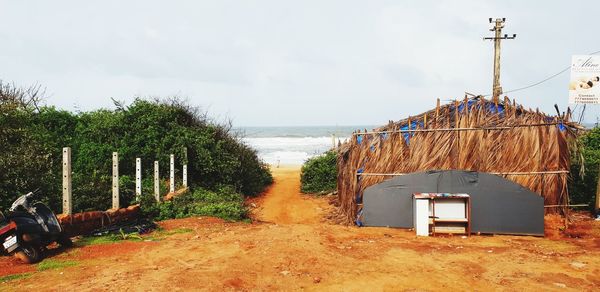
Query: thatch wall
(524, 146)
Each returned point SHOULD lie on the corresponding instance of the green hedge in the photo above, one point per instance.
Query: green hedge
(223, 203)
(31, 141)
(319, 174)
(583, 190)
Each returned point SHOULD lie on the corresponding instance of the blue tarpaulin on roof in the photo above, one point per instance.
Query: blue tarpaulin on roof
(490, 106)
(412, 126)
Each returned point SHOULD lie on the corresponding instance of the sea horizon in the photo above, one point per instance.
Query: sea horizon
(293, 145)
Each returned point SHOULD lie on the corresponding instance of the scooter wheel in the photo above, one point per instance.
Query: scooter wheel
(29, 254)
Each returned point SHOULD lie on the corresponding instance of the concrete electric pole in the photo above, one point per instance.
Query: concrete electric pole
(498, 25)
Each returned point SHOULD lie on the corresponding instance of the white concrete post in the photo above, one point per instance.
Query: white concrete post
(172, 174)
(185, 173)
(138, 179)
(185, 176)
(156, 182)
(115, 181)
(67, 182)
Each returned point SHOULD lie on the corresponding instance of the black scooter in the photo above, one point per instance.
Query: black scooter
(26, 230)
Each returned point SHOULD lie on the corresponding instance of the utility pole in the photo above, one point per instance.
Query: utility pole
(498, 25)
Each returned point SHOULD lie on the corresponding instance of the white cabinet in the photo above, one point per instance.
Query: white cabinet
(442, 213)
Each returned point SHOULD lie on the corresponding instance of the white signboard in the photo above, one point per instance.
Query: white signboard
(585, 79)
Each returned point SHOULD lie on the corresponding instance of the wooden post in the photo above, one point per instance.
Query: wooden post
(138, 179)
(456, 114)
(156, 182)
(115, 181)
(172, 174)
(456, 152)
(67, 182)
(437, 111)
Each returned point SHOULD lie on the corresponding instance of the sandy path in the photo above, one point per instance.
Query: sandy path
(284, 204)
(296, 252)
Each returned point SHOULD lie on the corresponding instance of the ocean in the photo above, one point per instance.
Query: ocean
(294, 145)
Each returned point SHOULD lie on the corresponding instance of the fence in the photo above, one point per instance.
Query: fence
(116, 204)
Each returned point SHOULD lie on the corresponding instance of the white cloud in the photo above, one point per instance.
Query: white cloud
(286, 63)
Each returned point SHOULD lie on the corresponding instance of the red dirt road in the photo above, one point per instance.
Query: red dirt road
(291, 248)
(284, 204)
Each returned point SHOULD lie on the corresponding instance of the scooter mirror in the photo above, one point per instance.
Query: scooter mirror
(20, 202)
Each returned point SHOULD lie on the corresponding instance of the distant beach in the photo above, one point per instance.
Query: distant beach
(293, 145)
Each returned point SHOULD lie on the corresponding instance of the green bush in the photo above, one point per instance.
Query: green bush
(32, 138)
(319, 174)
(223, 203)
(583, 190)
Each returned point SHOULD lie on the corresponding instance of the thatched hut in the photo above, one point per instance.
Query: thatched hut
(496, 137)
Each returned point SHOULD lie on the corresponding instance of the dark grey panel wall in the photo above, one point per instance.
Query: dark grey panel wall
(497, 204)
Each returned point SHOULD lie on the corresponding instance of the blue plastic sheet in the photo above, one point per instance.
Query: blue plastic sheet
(412, 126)
(461, 105)
(358, 221)
(358, 198)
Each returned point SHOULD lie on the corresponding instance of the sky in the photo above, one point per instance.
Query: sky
(283, 63)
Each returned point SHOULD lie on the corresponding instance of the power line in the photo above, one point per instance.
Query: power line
(543, 80)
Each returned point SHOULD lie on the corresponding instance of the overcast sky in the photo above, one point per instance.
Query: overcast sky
(275, 63)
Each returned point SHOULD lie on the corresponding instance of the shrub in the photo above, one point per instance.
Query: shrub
(32, 138)
(319, 174)
(583, 190)
(223, 203)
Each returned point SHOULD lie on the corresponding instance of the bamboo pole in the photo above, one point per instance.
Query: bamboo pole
(496, 173)
(456, 148)
(437, 111)
(557, 206)
(499, 128)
